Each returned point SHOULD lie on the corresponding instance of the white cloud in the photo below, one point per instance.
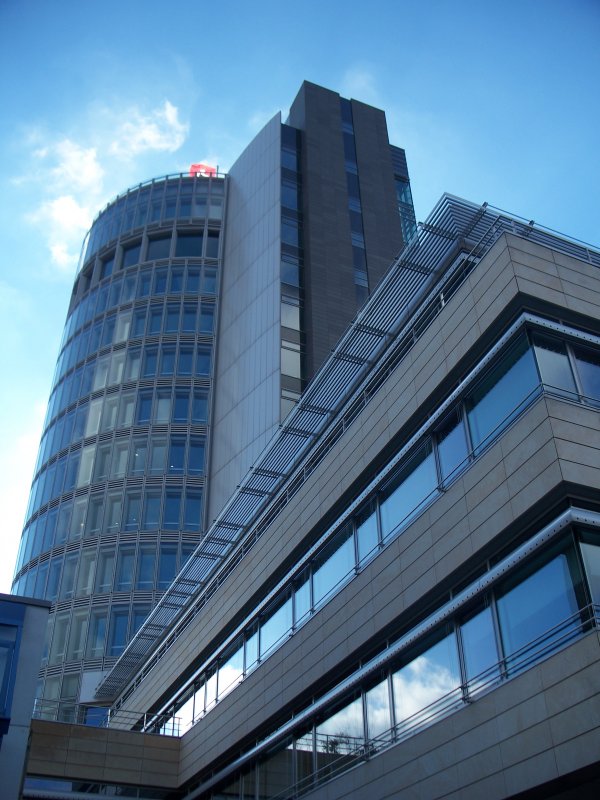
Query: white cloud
(78, 167)
(359, 82)
(160, 130)
(64, 221)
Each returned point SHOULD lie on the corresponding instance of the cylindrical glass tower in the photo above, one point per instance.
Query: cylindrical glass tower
(116, 503)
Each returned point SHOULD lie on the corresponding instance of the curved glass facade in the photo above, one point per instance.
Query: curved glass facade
(116, 504)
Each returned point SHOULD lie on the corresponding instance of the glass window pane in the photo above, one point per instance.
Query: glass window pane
(554, 366)
(212, 244)
(167, 565)
(412, 487)
(119, 620)
(192, 518)
(151, 511)
(158, 456)
(366, 533)
(502, 394)
(104, 573)
(181, 405)
(333, 564)
(302, 604)
(340, 736)
(231, 668)
(543, 604)
(199, 409)
(377, 704)
(172, 510)
(162, 410)
(158, 248)
(479, 649)
(275, 625)
(452, 445)
(145, 570)
(196, 457)
(588, 368)
(139, 453)
(124, 581)
(133, 507)
(428, 684)
(291, 363)
(176, 456)
(97, 634)
(189, 245)
(590, 551)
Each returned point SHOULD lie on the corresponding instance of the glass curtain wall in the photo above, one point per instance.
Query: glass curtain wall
(115, 506)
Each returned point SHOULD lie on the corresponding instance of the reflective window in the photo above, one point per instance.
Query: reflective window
(275, 624)
(451, 444)
(176, 456)
(530, 606)
(131, 255)
(145, 568)
(180, 406)
(158, 248)
(588, 368)
(125, 562)
(231, 668)
(192, 517)
(590, 551)
(151, 511)
(172, 510)
(342, 734)
(366, 532)
(167, 565)
(501, 395)
(479, 648)
(189, 245)
(119, 620)
(333, 564)
(431, 676)
(196, 457)
(413, 485)
(377, 705)
(553, 363)
(212, 244)
(97, 634)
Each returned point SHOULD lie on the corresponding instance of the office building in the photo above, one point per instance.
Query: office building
(401, 596)
(202, 306)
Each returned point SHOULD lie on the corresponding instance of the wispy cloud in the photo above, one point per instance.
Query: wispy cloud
(79, 165)
(359, 82)
(160, 130)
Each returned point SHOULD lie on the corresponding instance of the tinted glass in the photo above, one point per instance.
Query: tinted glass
(412, 487)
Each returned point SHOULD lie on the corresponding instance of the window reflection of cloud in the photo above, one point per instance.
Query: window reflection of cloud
(419, 684)
(378, 711)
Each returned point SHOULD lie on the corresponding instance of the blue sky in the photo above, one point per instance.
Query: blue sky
(492, 101)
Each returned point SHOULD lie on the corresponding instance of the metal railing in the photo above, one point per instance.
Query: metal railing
(72, 713)
(348, 750)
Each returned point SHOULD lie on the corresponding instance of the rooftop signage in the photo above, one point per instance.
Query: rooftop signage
(203, 169)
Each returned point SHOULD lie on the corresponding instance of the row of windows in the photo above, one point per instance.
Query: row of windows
(291, 277)
(184, 244)
(101, 569)
(179, 405)
(151, 319)
(155, 455)
(130, 364)
(486, 409)
(155, 203)
(540, 607)
(361, 278)
(138, 284)
(405, 208)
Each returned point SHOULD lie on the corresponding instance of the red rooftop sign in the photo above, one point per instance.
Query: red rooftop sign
(202, 169)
